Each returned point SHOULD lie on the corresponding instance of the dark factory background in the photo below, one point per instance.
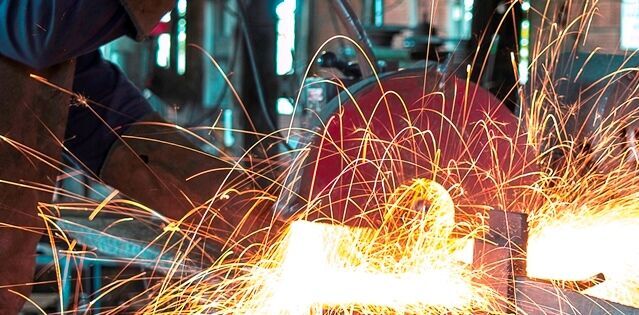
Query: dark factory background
(175, 70)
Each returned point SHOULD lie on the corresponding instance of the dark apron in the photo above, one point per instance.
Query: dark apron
(32, 122)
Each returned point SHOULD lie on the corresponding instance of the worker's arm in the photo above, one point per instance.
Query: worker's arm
(42, 33)
(113, 97)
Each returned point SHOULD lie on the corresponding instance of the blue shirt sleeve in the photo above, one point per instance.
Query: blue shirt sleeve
(42, 33)
(115, 100)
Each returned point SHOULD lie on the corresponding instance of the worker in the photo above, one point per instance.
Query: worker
(53, 82)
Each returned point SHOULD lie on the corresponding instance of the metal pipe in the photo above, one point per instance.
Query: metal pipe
(356, 31)
(414, 13)
(367, 12)
(379, 13)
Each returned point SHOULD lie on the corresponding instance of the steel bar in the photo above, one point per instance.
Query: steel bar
(356, 32)
(502, 253)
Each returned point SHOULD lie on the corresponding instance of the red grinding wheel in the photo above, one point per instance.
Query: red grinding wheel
(427, 126)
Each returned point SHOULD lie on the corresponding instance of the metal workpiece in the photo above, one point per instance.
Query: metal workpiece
(501, 253)
(535, 297)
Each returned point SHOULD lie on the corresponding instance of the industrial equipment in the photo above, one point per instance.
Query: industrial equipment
(392, 127)
(341, 171)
